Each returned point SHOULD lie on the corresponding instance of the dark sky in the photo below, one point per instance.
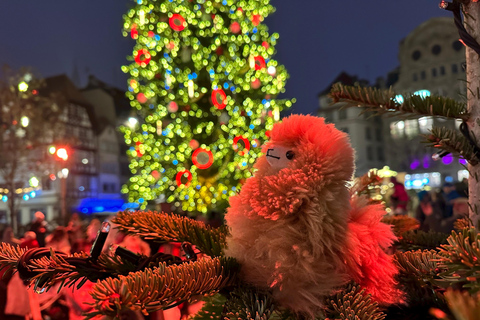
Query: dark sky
(318, 39)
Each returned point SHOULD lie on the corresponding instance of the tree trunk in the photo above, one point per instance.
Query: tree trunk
(472, 24)
(13, 210)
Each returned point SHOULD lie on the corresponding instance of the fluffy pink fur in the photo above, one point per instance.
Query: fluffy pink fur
(293, 229)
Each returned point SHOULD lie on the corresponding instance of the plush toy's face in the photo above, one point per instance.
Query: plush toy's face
(278, 157)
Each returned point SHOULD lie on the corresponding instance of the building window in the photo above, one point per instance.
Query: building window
(416, 55)
(411, 128)
(380, 154)
(368, 134)
(425, 123)
(454, 68)
(378, 134)
(442, 70)
(342, 114)
(397, 129)
(415, 77)
(369, 153)
(434, 72)
(436, 49)
(423, 75)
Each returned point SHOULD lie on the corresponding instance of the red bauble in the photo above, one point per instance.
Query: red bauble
(256, 84)
(219, 98)
(193, 144)
(156, 175)
(245, 141)
(202, 158)
(151, 34)
(142, 56)
(172, 107)
(256, 18)
(265, 44)
(177, 22)
(219, 51)
(179, 176)
(235, 27)
(134, 32)
(141, 98)
(259, 63)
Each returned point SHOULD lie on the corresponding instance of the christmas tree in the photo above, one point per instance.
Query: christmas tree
(203, 83)
(438, 274)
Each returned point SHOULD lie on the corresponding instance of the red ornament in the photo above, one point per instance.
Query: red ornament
(141, 98)
(256, 84)
(177, 22)
(156, 174)
(202, 158)
(151, 34)
(139, 153)
(265, 44)
(34, 92)
(219, 98)
(259, 63)
(142, 56)
(172, 107)
(193, 144)
(171, 45)
(235, 27)
(256, 18)
(134, 32)
(219, 51)
(179, 176)
(245, 142)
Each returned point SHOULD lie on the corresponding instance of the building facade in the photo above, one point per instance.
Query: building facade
(431, 63)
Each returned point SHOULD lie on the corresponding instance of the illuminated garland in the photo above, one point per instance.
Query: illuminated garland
(201, 76)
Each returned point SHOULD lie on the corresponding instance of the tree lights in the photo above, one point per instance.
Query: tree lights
(201, 76)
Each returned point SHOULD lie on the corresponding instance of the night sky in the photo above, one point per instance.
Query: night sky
(318, 39)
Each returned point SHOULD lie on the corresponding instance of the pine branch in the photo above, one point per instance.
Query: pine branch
(212, 308)
(418, 239)
(162, 227)
(420, 264)
(452, 141)
(248, 304)
(383, 101)
(463, 305)
(9, 256)
(353, 304)
(159, 288)
(461, 259)
(401, 224)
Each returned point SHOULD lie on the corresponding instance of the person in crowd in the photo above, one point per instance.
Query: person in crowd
(8, 236)
(58, 240)
(459, 211)
(399, 197)
(462, 188)
(39, 226)
(29, 240)
(75, 228)
(85, 243)
(428, 212)
(449, 195)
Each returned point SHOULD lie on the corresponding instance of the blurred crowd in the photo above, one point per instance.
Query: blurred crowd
(19, 302)
(435, 209)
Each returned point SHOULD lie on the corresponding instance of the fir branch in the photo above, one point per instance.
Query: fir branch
(163, 227)
(463, 305)
(401, 224)
(421, 264)
(159, 288)
(383, 101)
(461, 259)
(353, 304)
(418, 239)
(248, 304)
(462, 223)
(212, 308)
(9, 256)
(452, 141)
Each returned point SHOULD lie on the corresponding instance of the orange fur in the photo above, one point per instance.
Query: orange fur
(289, 226)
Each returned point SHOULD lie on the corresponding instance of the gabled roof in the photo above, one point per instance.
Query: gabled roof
(344, 78)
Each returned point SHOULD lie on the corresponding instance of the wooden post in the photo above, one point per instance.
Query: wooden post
(472, 25)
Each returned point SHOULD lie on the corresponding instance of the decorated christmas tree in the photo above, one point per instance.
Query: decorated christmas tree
(299, 243)
(203, 82)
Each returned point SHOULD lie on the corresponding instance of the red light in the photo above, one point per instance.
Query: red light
(179, 176)
(245, 142)
(142, 57)
(206, 158)
(259, 63)
(177, 22)
(52, 177)
(219, 99)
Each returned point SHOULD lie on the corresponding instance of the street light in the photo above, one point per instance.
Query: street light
(61, 155)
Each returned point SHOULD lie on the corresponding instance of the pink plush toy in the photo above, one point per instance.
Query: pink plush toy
(296, 229)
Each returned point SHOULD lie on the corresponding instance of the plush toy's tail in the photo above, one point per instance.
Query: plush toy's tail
(367, 262)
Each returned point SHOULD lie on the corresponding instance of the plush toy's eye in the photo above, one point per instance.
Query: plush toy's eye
(290, 154)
